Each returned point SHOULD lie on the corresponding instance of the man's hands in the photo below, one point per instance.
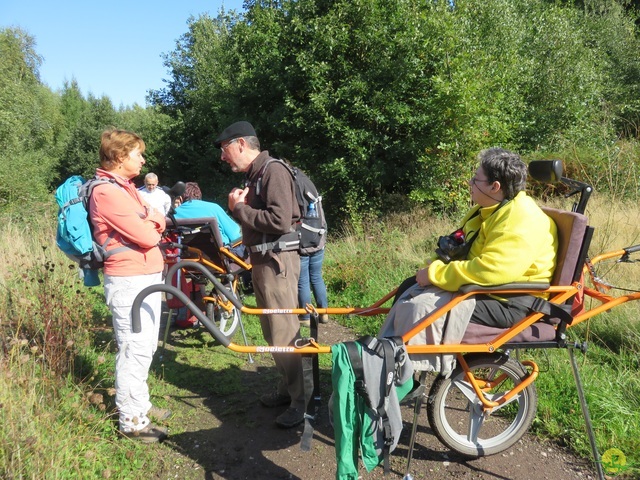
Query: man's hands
(236, 196)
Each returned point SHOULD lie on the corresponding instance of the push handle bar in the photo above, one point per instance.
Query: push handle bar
(634, 249)
(626, 256)
(136, 324)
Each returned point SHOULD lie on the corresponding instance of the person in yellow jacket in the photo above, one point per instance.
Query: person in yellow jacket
(505, 238)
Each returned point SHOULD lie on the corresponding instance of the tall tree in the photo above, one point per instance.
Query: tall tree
(80, 156)
(29, 120)
(383, 100)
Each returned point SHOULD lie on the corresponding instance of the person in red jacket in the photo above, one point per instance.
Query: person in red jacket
(117, 211)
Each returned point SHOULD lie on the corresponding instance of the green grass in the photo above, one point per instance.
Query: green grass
(56, 391)
(49, 428)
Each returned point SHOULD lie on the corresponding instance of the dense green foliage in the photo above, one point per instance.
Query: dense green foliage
(388, 102)
(385, 104)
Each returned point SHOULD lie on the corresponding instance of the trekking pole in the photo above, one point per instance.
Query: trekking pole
(414, 427)
(585, 409)
(244, 335)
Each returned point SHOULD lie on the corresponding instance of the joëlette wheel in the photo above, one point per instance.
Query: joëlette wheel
(456, 414)
(227, 321)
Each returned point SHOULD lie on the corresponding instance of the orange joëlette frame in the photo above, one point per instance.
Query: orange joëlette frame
(557, 294)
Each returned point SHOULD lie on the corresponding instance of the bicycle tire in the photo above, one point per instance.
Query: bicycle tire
(455, 412)
(226, 321)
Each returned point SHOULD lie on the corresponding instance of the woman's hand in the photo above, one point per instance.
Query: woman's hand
(422, 277)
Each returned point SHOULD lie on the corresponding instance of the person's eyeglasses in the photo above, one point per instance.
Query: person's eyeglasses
(473, 180)
(224, 147)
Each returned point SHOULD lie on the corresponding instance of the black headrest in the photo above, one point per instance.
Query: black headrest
(549, 171)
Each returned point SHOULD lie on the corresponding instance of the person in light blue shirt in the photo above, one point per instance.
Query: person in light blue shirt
(193, 206)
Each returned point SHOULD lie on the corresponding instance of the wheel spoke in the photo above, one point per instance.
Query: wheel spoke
(226, 320)
(497, 396)
(466, 389)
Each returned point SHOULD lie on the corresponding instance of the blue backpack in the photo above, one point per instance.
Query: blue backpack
(75, 233)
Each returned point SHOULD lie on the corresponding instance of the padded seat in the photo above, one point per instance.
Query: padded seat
(538, 332)
(572, 228)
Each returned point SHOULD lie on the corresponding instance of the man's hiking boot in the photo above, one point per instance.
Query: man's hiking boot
(149, 434)
(290, 418)
(305, 322)
(324, 318)
(159, 414)
(275, 399)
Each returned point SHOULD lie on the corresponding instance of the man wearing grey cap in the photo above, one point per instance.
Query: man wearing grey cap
(267, 211)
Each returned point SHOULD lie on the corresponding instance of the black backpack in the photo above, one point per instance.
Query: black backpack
(312, 228)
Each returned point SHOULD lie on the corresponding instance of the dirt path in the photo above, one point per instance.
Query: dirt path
(233, 437)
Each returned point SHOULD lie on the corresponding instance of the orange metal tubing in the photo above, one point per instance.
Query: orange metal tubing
(488, 384)
(557, 294)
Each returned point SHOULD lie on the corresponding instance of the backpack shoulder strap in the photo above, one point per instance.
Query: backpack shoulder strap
(84, 195)
(358, 369)
(258, 182)
(86, 190)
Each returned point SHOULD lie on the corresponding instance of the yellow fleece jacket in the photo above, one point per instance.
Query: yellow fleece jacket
(516, 243)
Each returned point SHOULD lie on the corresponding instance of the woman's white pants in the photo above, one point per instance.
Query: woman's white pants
(135, 350)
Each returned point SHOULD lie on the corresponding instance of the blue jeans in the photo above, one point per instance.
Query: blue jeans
(311, 272)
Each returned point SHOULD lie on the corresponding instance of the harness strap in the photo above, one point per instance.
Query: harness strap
(390, 374)
(358, 370)
(309, 415)
(320, 231)
(540, 305)
(311, 378)
(285, 243)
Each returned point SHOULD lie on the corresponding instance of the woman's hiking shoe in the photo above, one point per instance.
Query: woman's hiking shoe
(275, 399)
(290, 418)
(159, 414)
(324, 318)
(149, 434)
